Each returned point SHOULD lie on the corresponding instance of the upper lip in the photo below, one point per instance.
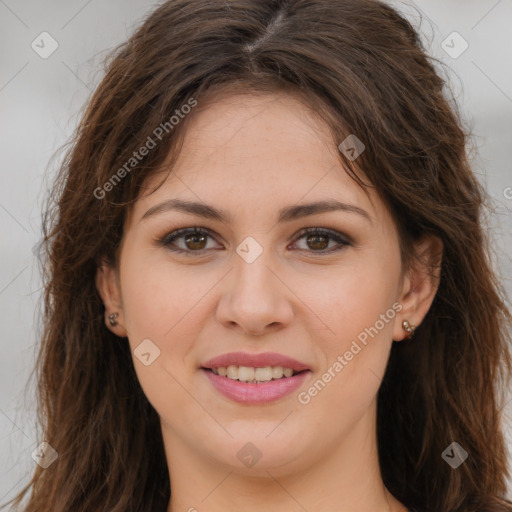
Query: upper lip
(255, 361)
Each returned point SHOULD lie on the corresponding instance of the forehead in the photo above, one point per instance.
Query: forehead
(276, 132)
(257, 151)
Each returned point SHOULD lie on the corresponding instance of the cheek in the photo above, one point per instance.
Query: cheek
(155, 295)
(146, 304)
(354, 302)
(155, 306)
(360, 310)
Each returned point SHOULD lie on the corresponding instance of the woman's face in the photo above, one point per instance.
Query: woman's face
(254, 285)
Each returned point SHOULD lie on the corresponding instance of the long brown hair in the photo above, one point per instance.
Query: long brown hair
(362, 68)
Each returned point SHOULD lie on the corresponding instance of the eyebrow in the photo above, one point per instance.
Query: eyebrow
(286, 214)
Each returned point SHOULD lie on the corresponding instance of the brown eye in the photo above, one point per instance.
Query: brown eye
(194, 240)
(317, 240)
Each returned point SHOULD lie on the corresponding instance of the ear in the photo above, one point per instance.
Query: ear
(420, 284)
(107, 284)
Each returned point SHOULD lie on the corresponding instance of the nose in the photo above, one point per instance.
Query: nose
(255, 298)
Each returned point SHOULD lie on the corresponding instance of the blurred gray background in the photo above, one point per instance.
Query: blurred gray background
(43, 88)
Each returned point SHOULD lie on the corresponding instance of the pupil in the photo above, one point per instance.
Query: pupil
(316, 239)
(194, 238)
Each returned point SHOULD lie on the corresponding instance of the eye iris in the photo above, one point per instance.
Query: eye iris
(316, 239)
(195, 237)
(195, 241)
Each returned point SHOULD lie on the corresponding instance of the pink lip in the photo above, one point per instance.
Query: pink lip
(254, 394)
(255, 361)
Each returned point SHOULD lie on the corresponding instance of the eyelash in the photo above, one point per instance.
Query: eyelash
(169, 238)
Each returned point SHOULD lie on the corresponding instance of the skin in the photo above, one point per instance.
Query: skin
(252, 155)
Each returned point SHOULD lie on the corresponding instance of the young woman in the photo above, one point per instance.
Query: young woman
(268, 286)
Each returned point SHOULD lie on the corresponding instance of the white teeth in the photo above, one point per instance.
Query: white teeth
(232, 372)
(263, 374)
(288, 372)
(248, 374)
(245, 374)
(277, 372)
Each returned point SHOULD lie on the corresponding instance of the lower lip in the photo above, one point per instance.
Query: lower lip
(254, 394)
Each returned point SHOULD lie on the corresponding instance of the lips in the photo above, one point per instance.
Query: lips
(255, 361)
(255, 394)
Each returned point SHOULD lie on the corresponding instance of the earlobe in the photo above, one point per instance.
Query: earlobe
(420, 286)
(108, 288)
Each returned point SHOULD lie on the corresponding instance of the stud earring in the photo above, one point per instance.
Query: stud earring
(409, 329)
(112, 319)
